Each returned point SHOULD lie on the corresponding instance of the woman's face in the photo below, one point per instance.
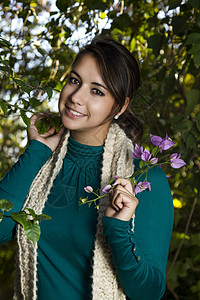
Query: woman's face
(85, 103)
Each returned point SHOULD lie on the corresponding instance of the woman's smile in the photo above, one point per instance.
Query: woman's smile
(73, 113)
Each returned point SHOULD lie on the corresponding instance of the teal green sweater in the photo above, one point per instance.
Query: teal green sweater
(65, 247)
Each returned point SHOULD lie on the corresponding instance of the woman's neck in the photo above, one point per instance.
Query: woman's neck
(94, 138)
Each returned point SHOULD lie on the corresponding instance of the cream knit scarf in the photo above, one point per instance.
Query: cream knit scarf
(117, 160)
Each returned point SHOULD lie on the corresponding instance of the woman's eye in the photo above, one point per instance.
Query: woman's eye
(74, 80)
(98, 92)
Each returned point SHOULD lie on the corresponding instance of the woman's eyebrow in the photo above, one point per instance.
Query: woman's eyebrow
(72, 71)
(99, 84)
(96, 83)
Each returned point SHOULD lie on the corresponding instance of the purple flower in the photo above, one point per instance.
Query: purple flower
(154, 160)
(166, 143)
(176, 162)
(163, 144)
(106, 189)
(155, 140)
(141, 186)
(146, 155)
(88, 189)
(137, 152)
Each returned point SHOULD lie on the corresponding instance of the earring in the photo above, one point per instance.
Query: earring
(116, 117)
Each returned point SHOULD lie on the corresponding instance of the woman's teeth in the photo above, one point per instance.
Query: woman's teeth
(75, 112)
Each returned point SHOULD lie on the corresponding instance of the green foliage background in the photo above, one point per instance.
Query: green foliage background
(35, 57)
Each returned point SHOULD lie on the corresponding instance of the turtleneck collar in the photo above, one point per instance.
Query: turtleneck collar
(82, 153)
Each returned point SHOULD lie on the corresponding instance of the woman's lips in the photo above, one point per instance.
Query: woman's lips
(74, 114)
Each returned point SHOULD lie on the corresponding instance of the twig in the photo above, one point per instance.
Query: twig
(29, 12)
(185, 232)
(122, 7)
(173, 293)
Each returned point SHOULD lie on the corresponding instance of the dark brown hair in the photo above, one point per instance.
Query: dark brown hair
(120, 72)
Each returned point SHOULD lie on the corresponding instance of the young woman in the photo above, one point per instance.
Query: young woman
(119, 251)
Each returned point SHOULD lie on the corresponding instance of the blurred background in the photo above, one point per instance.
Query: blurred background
(38, 42)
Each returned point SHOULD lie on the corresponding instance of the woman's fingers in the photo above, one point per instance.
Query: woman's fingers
(124, 183)
(49, 138)
(122, 197)
(61, 131)
(35, 118)
(32, 131)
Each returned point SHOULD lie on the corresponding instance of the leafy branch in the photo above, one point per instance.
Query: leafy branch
(28, 219)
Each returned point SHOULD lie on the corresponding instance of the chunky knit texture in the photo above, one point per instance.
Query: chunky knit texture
(117, 160)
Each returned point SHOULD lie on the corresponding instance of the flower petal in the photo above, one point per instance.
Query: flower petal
(178, 163)
(141, 186)
(166, 143)
(137, 152)
(146, 155)
(155, 140)
(106, 189)
(88, 189)
(153, 160)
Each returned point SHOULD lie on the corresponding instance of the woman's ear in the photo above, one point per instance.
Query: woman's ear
(124, 107)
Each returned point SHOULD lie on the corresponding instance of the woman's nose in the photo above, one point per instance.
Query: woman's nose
(79, 95)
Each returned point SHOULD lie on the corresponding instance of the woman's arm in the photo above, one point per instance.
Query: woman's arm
(140, 254)
(16, 183)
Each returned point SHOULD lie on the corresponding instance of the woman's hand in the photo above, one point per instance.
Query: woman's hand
(49, 138)
(123, 202)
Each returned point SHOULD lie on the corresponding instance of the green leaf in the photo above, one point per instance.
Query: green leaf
(191, 141)
(185, 125)
(42, 125)
(155, 42)
(142, 164)
(193, 38)
(179, 24)
(145, 138)
(34, 102)
(41, 51)
(64, 5)
(193, 97)
(4, 43)
(20, 217)
(34, 82)
(175, 4)
(31, 211)
(195, 3)
(169, 84)
(195, 239)
(198, 20)
(55, 121)
(43, 217)
(198, 122)
(4, 107)
(6, 69)
(49, 91)
(155, 151)
(25, 118)
(32, 231)
(195, 51)
(1, 216)
(22, 85)
(5, 205)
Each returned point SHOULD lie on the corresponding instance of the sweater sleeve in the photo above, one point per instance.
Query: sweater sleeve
(140, 253)
(14, 186)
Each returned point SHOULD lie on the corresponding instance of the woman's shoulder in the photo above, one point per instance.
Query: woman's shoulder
(159, 188)
(154, 172)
